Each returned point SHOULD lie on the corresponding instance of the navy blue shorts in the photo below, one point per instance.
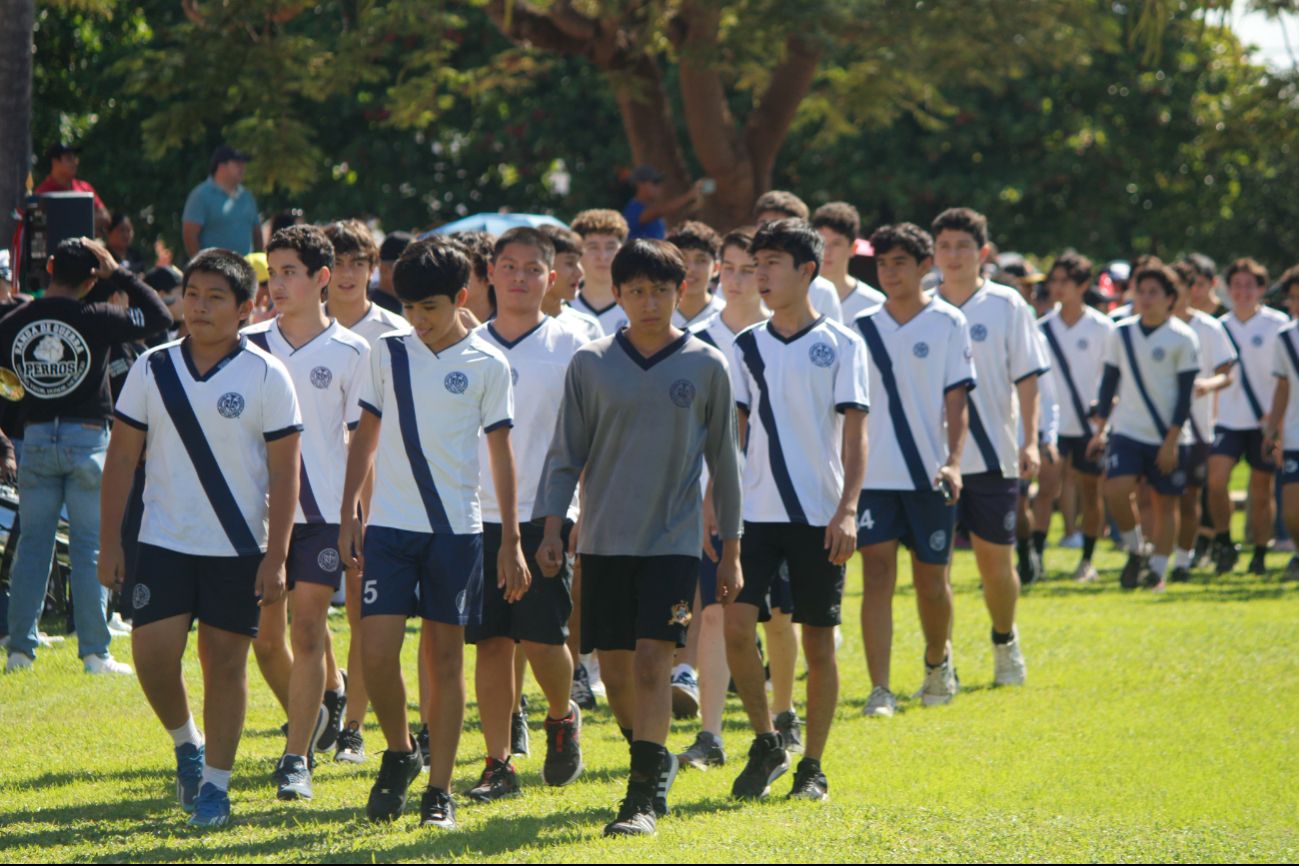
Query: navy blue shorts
(313, 555)
(1197, 464)
(631, 598)
(541, 616)
(445, 568)
(988, 506)
(1290, 468)
(919, 518)
(1242, 443)
(813, 583)
(781, 597)
(1073, 449)
(219, 591)
(1126, 456)
(708, 575)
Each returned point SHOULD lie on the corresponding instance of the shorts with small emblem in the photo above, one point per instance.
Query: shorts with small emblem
(313, 555)
(1242, 443)
(988, 506)
(815, 583)
(1289, 468)
(1197, 464)
(219, 591)
(445, 568)
(631, 598)
(780, 597)
(1073, 449)
(1126, 456)
(920, 519)
(541, 616)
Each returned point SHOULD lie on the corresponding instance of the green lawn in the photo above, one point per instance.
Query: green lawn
(1152, 728)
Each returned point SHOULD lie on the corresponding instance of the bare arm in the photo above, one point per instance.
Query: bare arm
(957, 409)
(283, 459)
(124, 447)
(841, 534)
(1276, 418)
(190, 231)
(1030, 460)
(511, 568)
(362, 444)
(671, 206)
(1221, 379)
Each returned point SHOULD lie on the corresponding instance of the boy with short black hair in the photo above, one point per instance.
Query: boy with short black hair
(393, 245)
(329, 365)
(1204, 295)
(778, 204)
(665, 396)
(422, 539)
(603, 233)
(479, 246)
(222, 426)
(568, 279)
(1283, 421)
(840, 225)
(701, 247)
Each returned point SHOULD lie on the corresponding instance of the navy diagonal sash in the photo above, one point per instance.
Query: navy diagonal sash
(901, 427)
(779, 469)
(981, 438)
(1126, 332)
(419, 468)
(1078, 405)
(306, 496)
(1244, 377)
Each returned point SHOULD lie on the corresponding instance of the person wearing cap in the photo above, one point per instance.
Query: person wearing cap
(220, 212)
(62, 160)
(394, 244)
(646, 211)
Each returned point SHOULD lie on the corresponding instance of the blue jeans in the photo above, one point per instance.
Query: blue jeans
(63, 464)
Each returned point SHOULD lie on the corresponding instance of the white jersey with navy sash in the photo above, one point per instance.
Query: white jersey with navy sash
(859, 300)
(1215, 350)
(912, 367)
(206, 475)
(1149, 365)
(1004, 338)
(538, 362)
(795, 390)
(716, 303)
(612, 319)
(825, 299)
(1285, 365)
(1249, 396)
(434, 407)
(377, 322)
(1077, 364)
(1048, 416)
(328, 375)
(587, 326)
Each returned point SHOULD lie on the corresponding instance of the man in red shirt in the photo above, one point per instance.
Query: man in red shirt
(62, 160)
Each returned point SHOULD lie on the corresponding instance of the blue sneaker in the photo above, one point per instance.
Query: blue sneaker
(189, 774)
(212, 809)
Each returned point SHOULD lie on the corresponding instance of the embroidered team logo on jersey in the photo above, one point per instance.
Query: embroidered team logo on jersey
(514, 376)
(1157, 354)
(50, 358)
(938, 541)
(231, 405)
(979, 333)
(920, 350)
(680, 614)
(682, 393)
(140, 598)
(456, 383)
(821, 354)
(328, 560)
(1256, 341)
(321, 377)
(1082, 344)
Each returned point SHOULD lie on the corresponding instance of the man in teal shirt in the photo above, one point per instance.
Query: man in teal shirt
(220, 212)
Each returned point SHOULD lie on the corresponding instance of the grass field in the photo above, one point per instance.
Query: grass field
(1152, 728)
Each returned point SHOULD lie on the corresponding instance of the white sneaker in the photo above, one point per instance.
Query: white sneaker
(4, 642)
(593, 674)
(1085, 573)
(685, 692)
(940, 684)
(18, 662)
(117, 626)
(1010, 669)
(48, 640)
(881, 704)
(1071, 542)
(110, 665)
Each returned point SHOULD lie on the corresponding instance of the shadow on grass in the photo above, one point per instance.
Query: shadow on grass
(57, 780)
(1203, 588)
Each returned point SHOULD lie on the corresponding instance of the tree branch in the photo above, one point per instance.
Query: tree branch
(529, 27)
(769, 121)
(703, 95)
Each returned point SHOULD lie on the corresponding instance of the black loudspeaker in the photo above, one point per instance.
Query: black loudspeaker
(49, 220)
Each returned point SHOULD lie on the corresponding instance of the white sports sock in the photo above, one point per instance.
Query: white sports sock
(220, 778)
(683, 667)
(186, 733)
(1181, 558)
(1159, 565)
(1132, 538)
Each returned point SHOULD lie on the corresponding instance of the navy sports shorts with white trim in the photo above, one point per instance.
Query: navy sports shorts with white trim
(1242, 443)
(541, 615)
(446, 568)
(1073, 449)
(1197, 464)
(631, 598)
(815, 583)
(219, 591)
(313, 555)
(988, 506)
(1290, 468)
(919, 518)
(1126, 456)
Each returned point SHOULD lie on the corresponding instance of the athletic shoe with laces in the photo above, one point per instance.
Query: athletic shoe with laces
(107, 665)
(635, 818)
(791, 731)
(1024, 568)
(593, 674)
(1131, 576)
(388, 796)
(335, 705)
(1009, 668)
(881, 704)
(705, 752)
(768, 761)
(563, 748)
(189, 774)
(519, 734)
(667, 775)
(1181, 574)
(809, 782)
(292, 778)
(1085, 572)
(421, 742)
(212, 809)
(1225, 556)
(940, 684)
(497, 782)
(1151, 580)
(1258, 562)
(685, 692)
(1291, 571)
(580, 692)
(437, 809)
(117, 626)
(18, 662)
(1200, 558)
(350, 748)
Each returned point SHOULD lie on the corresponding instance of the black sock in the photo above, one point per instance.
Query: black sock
(1039, 541)
(1089, 547)
(1002, 639)
(1260, 551)
(771, 738)
(626, 732)
(1021, 546)
(1223, 537)
(646, 765)
(811, 765)
(930, 667)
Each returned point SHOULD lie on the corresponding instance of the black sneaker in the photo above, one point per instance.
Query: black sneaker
(336, 707)
(1225, 556)
(706, 752)
(768, 761)
(1024, 567)
(388, 796)
(809, 782)
(1291, 570)
(421, 741)
(1200, 557)
(350, 747)
(519, 734)
(635, 818)
(563, 748)
(497, 782)
(1150, 580)
(292, 778)
(791, 731)
(667, 775)
(1258, 563)
(437, 809)
(1181, 574)
(1131, 576)
(581, 691)
(1037, 567)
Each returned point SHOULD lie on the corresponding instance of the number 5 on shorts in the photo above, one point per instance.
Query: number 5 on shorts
(371, 592)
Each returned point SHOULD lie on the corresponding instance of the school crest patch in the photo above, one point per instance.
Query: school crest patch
(1256, 341)
(456, 383)
(140, 598)
(328, 560)
(938, 541)
(979, 333)
(821, 354)
(682, 393)
(230, 405)
(1158, 353)
(1082, 344)
(680, 614)
(321, 377)
(920, 350)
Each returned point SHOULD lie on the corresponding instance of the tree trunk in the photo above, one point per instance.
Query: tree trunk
(647, 118)
(18, 17)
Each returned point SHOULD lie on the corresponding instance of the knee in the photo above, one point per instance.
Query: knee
(446, 662)
(739, 632)
(930, 587)
(309, 636)
(818, 646)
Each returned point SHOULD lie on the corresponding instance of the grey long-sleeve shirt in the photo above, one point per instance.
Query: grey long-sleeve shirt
(641, 428)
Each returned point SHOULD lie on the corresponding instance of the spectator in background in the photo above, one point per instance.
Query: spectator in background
(117, 237)
(6, 276)
(165, 280)
(220, 212)
(287, 217)
(394, 244)
(646, 211)
(62, 161)
(480, 247)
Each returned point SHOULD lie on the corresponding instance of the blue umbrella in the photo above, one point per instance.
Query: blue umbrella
(494, 223)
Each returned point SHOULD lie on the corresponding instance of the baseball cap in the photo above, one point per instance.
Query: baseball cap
(645, 174)
(226, 153)
(258, 261)
(54, 151)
